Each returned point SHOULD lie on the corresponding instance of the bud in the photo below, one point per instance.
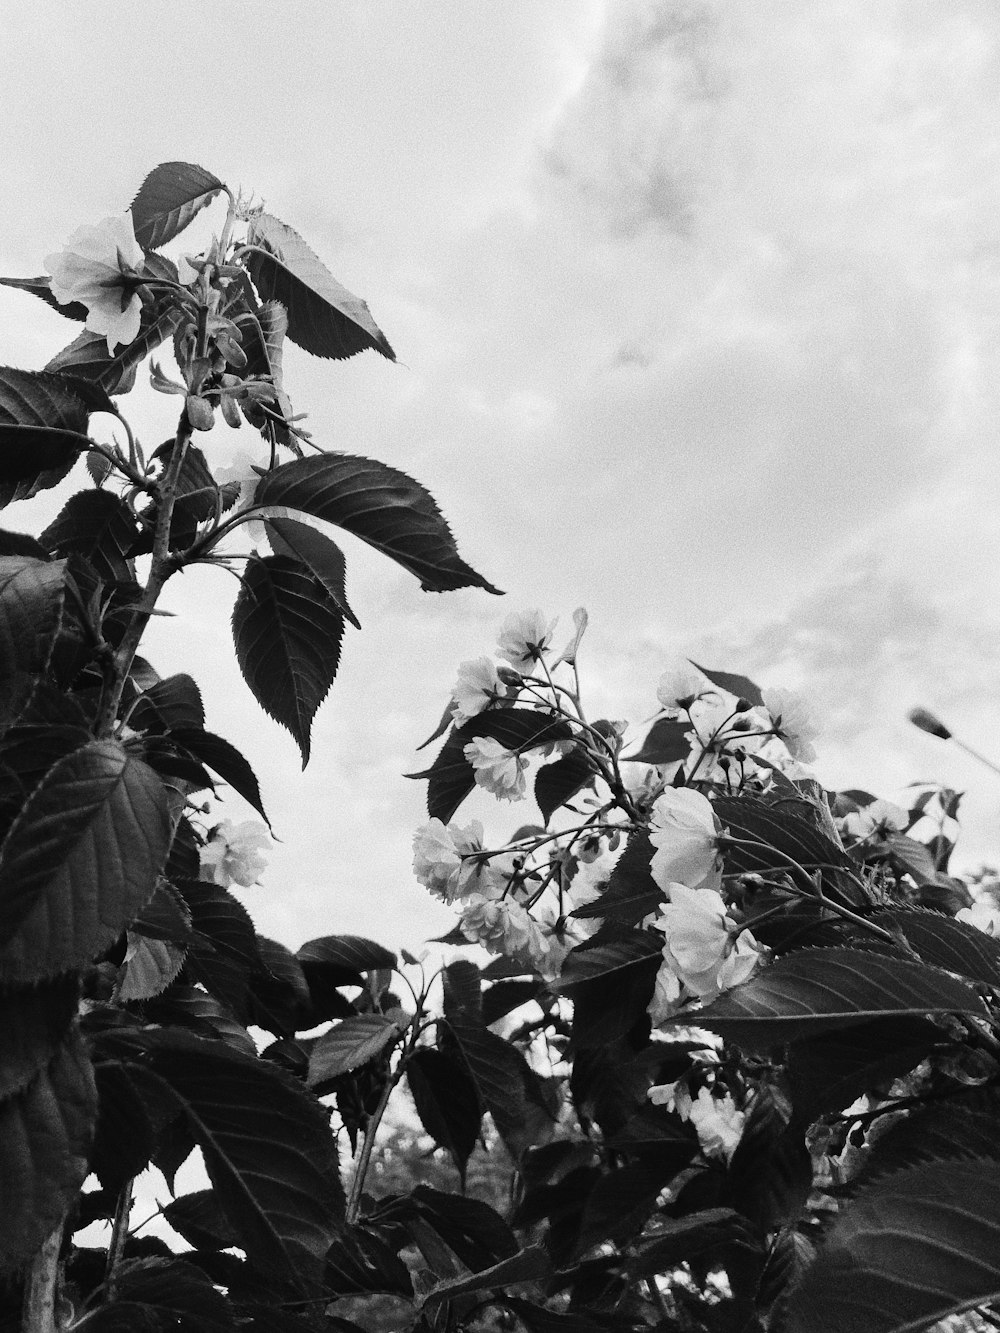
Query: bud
(199, 412)
(926, 721)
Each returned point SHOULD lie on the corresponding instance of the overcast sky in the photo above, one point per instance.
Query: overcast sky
(696, 309)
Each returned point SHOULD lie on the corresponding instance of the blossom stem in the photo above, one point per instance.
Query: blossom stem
(371, 1129)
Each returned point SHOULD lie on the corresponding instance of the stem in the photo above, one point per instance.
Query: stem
(161, 567)
(119, 1235)
(371, 1129)
(41, 1288)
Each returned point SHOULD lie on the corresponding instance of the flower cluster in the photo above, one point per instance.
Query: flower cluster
(235, 854)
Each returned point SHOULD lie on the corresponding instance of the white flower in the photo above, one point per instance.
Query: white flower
(89, 269)
(524, 637)
(478, 685)
(501, 925)
(702, 949)
(498, 770)
(445, 861)
(683, 831)
(880, 816)
(235, 854)
(717, 1122)
(793, 721)
(679, 686)
(983, 915)
(666, 995)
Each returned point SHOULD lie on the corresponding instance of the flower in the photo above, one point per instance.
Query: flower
(478, 686)
(702, 950)
(983, 915)
(717, 1122)
(794, 723)
(502, 925)
(234, 854)
(444, 858)
(679, 686)
(683, 830)
(878, 816)
(524, 637)
(498, 770)
(90, 269)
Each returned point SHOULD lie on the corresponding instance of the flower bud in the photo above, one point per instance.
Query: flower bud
(199, 412)
(926, 721)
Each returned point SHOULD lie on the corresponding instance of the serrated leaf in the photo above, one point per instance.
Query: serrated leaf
(80, 861)
(195, 1011)
(820, 990)
(911, 1249)
(43, 424)
(150, 966)
(171, 195)
(321, 556)
(87, 356)
(954, 945)
(170, 1293)
(343, 958)
(681, 1239)
(225, 760)
(741, 686)
(452, 777)
(665, 743)
(323, 317)
(559, 782)
(590, 962)
(45, 1136)
(287, 631)
(350, 1044)
(32, 593)
(360, 1262)
(42, 288)
(503, 997)
(128, 1121)
(33, 1023)
(935, 1132)
(631, 892)
(446, 1101)
(263, 343)
(99, 526)
(381, 505)
(531, 1264)
(223, 954)
(777, 834)
(501, 1075)
(200, 1220)
(618, 1205)
(267, 1146)
(174, 702)
(474, 1231)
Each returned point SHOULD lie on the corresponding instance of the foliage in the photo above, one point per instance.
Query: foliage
(736, 1045)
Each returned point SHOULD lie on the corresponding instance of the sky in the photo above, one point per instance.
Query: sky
(697, 312)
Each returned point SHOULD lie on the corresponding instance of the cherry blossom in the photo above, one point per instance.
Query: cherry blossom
(235, 854)
(498, 770)
(717, 1122)
(445, 860)
(89, 269)
(679, 686)
(524, 637)
(684, 831)
(983, 915)
(702, 951)
(793, 721)
(478, 685)
(501, 925)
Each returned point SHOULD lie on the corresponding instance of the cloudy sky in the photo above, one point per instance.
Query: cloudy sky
(696, 309)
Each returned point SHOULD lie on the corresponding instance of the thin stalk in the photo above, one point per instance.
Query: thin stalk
(42, 1286)
(119, 1235)
(371, 1129)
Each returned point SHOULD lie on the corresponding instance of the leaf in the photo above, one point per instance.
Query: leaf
(537, 1319)
(665, 743)
(619, 1205)
(911, 1249)
(452, 777)
(531, 1264)
(741, 686)
(223, 955)
(770, 1174)
(80, 861)
(32, 593)
(322, 557)
(343, 958)
(287, 631)
(350, 1044)
(954, 945)
(501, 1075)
(505, 996)
(199, 1219)
(150, 966)
(263, 343)
(33, 1023)
(171, 195)
(128, 1121)
(170, 1293)
(99, 526)
(360, 1262)
(475, 1232)
(631, 892)
(819, 990)
(42, 287)
(559, 782)
(323, 317)
(589, 962)
(680, 1239)
(935, 1132)
(43, 424)
(174, 702)
(446, 1101)
(45, 1137)
(87, 356)
(267, 1146)
(381, 505)
(779, 833)
(225, 760)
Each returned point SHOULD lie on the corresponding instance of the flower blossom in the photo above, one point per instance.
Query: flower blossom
(717, 1122)
(794, 722)
(502, 925)
(498, 770)
(445, 861)
(983, 915)
(684, 831)
(235, 854)
(703, 952)
(879, 816)
(524, 637)
(478, 685)
(90, 269)
(679, 686)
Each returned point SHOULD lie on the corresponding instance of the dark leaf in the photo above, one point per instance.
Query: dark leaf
(631, 891)
(45, 1137)
(447, 1102)
(321, 556)
(263, 343)
(360, 1262)
(223, 954)
(127, 1124)
(379, 504)
(770, 1174)
(537, 1319)
(529, 1265)
(476, 1232)
(559, 782)
(280, 995)
(178, 1294)
(779, 834)
(100, 527)
(939, 1131)
(591, 961)
(954, 945)
(80, 861)
(33, 1023)
(913, 858)
(187, 1007)
(199, 1219)
(287, 631)
(225, 760)
(681, 1239)
(174, 702)
(343, 958)
(452, 777)
(820, 990)
(665, 743)
(505, 996)
(619, 1205)
(42, 287)
(43, 424)
(349, 1044)
(501, 1075)
(87, 356)
(170, 196)
(911, 1249)
(323, 317)
(32, 593)
(741, 686)
(150, 966)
